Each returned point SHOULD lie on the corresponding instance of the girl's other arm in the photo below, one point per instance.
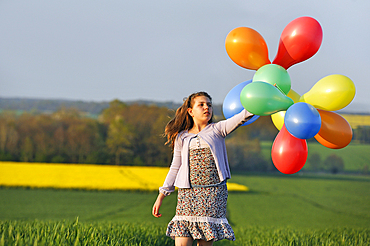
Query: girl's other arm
(157, 205)
(168, 185)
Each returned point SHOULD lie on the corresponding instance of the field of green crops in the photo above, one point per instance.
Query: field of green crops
(278, 210)
(104, 233)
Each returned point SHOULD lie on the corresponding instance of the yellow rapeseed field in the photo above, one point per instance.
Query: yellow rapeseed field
(93, 177)
(356, 120)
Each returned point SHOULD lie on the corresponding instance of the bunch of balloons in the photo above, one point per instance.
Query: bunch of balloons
(269, 93)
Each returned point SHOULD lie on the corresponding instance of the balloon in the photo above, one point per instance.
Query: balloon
(335, 131)
(278, 118)
(247, 48)
(299, 41)
(232, 105)
(275, 75)
(263, 99)
(288, 153)
(294, 95)
(331, 93)
(302, 120)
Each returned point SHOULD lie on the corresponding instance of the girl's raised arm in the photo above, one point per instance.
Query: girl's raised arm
(227, 126)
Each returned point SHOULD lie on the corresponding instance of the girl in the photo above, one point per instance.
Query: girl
(199, 169)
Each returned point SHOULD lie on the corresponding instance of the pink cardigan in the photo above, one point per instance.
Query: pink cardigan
(214, 135)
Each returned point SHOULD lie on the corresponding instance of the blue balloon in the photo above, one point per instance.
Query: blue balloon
(302, 120)
(232, 105)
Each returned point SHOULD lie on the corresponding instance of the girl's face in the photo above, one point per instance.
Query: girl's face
(201, 110)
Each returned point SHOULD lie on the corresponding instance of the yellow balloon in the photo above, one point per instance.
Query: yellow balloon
(294, 96)
(278, 118)
(331, 93)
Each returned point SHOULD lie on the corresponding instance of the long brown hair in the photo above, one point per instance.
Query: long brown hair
(182, 120)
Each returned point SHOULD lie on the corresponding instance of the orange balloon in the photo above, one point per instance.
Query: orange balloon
(247, 48)
(335, 131)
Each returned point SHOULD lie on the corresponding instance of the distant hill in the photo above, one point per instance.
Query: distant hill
(48, 106)
(94, 108)
(356, 108)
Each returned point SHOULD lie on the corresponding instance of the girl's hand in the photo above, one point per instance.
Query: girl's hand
(157, 205)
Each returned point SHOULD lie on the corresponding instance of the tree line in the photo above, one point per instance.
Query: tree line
(123, 134)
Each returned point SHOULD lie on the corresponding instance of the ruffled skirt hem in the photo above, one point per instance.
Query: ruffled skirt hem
(200, 230)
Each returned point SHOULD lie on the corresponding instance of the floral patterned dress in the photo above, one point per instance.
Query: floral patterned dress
(201, 209)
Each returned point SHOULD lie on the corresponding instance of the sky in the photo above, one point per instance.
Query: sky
(163, 51)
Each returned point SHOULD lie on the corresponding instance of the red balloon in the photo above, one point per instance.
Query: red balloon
(300, 40)
(288, 153)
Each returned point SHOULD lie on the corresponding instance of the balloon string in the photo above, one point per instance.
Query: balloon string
(279, 89)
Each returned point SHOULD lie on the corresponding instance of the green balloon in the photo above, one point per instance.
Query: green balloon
(275, 75)
(261, 98)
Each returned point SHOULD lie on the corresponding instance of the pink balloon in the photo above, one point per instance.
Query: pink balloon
(299, 41)
(288, 153)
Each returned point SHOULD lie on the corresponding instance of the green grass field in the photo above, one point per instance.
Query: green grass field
(278, 210)
(355, 156)
(107, 233)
